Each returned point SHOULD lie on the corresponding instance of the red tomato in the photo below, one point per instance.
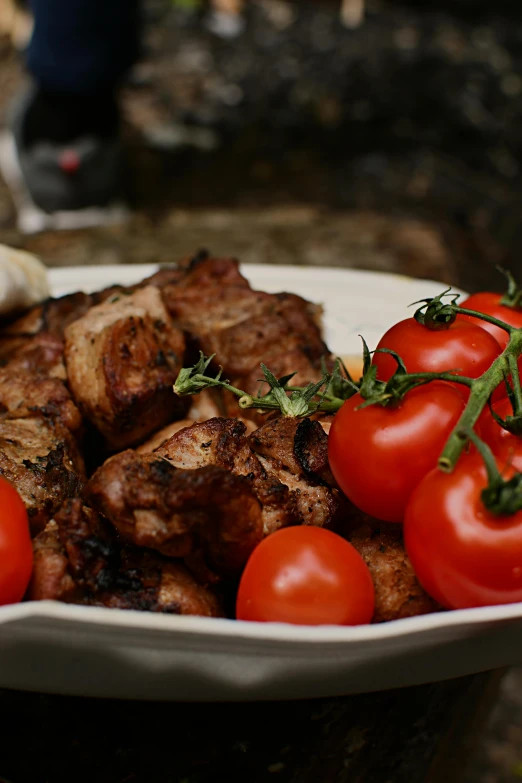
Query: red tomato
(489, 303)
(306, 576)
(16, 552)
(379, 454)
(463, 554)
(497, 438)
(463, 347)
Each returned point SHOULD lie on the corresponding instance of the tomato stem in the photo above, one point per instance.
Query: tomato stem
(484, 317)
(516, 397)
(481, 390)
(513, 296)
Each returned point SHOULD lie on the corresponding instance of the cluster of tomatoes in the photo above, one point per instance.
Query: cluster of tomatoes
(384, 458)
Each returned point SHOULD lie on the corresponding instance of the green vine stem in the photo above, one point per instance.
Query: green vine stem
(513, 296)
(481, 390)
(484, 317)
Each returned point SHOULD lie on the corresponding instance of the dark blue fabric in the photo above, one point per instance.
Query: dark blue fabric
(83, 45)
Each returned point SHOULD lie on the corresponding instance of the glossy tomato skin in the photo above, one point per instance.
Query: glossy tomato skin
(306, 576)
(16, 552)
(379, 454)
(498, 439)
(464, 348)
(489, 303)
(463, 555)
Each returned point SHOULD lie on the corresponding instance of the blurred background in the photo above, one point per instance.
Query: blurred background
(390, 129)
(382, 134)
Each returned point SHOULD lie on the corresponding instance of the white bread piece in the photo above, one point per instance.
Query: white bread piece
(23, 280)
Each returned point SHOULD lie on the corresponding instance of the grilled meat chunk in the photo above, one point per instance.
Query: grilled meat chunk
(178, 512)
(40, 354)
(122, 359)
(288, 493)
(204, 270)
(40, 458)
(23, 395)
(51, 578)
(77, 561)
(222, 442)
(397, 590)
(52, 316)
(280, 448)
(222, 315)
(206, 405)
(34, 341)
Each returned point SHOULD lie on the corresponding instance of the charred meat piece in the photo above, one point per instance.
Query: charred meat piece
(397, 591)
(76, 561)
(23, 395)
(206, 405)
(52, 316)
(178, 512)
(222, 315)
(289, 493)
(122, 359)
(223, 442)
(214, 442)
(286, 449)
(51, 578)
(164, 276)
(40, 458)
(206, 270)
(41, 354)
(34, 341)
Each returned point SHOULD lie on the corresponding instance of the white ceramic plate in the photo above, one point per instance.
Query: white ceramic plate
(57, 648)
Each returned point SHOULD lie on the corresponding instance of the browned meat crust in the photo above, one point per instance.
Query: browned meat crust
(178, 512)
(219, 311)
(51, 578)
(34, 341)
(41, 354)
(77, 561)
(223, 442)
(275, 445)
(289, 494)
(122, 359)
(23, 395)
(52, 316)
(41, 458)
(397, 590)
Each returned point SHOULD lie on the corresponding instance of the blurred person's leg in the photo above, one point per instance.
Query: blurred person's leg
(66, 126)
(78, 53)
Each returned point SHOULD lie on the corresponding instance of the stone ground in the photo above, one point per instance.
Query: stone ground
(276, 147)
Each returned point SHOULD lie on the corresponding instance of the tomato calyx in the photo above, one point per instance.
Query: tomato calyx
(435, 314)
(393, 391)
(513, 296)
(501, 497)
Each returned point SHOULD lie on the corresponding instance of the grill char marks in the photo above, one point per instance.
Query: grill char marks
(23, 395)
(179, 513)
(41, 458)
(78, 560)
(288, 495)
